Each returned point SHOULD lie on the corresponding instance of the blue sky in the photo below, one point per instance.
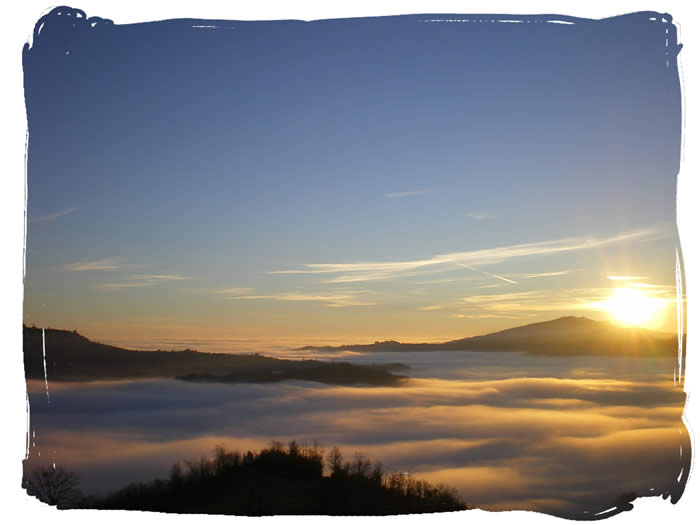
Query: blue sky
(229, 180)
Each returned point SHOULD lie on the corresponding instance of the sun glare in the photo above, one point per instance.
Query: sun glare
(631, 306)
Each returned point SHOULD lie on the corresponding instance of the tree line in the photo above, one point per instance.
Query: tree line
(293, 479)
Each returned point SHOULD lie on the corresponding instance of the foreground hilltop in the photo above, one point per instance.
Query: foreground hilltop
(562, 336)
(277, 480)
(70, 356)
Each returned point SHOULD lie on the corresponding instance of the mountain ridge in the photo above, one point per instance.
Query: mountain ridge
(71, 356)
(567, 335)
(61, 355)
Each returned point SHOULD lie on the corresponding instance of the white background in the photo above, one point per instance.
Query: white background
(17, 26)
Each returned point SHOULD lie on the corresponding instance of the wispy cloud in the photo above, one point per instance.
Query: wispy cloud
(377, 270)
(510, 281)
(438, 281)
(521, 302)
(119, 286)
(353, 277)
(234, 291)
(52, 216)
(625, 278)
(97, 265)
(431, 307)
(401, 194)
(447, 280)
(479, 215)
(493, 316)
(499, 298)
(662, 287)
(142, 281)
(160, 277)
(334, 300)
(562, 301)
(538, 275)
(516, 304)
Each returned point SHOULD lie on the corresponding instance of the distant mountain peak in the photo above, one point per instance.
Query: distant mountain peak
(567, 323)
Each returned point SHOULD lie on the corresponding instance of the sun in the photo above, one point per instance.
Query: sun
(631, 306)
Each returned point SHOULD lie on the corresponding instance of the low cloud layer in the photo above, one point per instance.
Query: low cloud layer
(554, 445)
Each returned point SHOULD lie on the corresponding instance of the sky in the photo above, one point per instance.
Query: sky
(347, 180)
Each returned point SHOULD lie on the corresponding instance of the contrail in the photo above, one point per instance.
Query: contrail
(486, 273)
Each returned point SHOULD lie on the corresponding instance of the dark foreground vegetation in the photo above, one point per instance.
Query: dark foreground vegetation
(292, 480)
(276, 480)
(69, 356)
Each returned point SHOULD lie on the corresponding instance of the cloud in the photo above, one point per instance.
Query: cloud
(525, 304)
(439, 281)
(493, 316)
(235, 291)
(52, 216)
(510, 281)
(335, 300)
(662, 288)
(143, 281)
(97, 265)
(160, 277)
(479, 216)
(539, 301)
(504, 442)
(560, 301)
(538, 275)
(118, 286)
(402, 194)
(498, 298)
(356, 277)
(378, 270)
(625, 278)
(494, 305)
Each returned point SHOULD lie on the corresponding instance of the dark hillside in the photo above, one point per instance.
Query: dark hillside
(575, 336)
(280, 480)
(563, 336)
(72, 357)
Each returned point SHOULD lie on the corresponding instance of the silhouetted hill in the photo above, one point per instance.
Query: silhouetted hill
(297, 480)
(280, 480)
(562, 336)
(72, 357)
(575, 336)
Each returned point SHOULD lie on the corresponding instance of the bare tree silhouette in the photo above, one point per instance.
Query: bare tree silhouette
(54, 486)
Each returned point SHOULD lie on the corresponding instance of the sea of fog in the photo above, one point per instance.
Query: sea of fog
(508, 430)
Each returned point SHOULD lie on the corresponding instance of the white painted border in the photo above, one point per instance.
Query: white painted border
(18, 23)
